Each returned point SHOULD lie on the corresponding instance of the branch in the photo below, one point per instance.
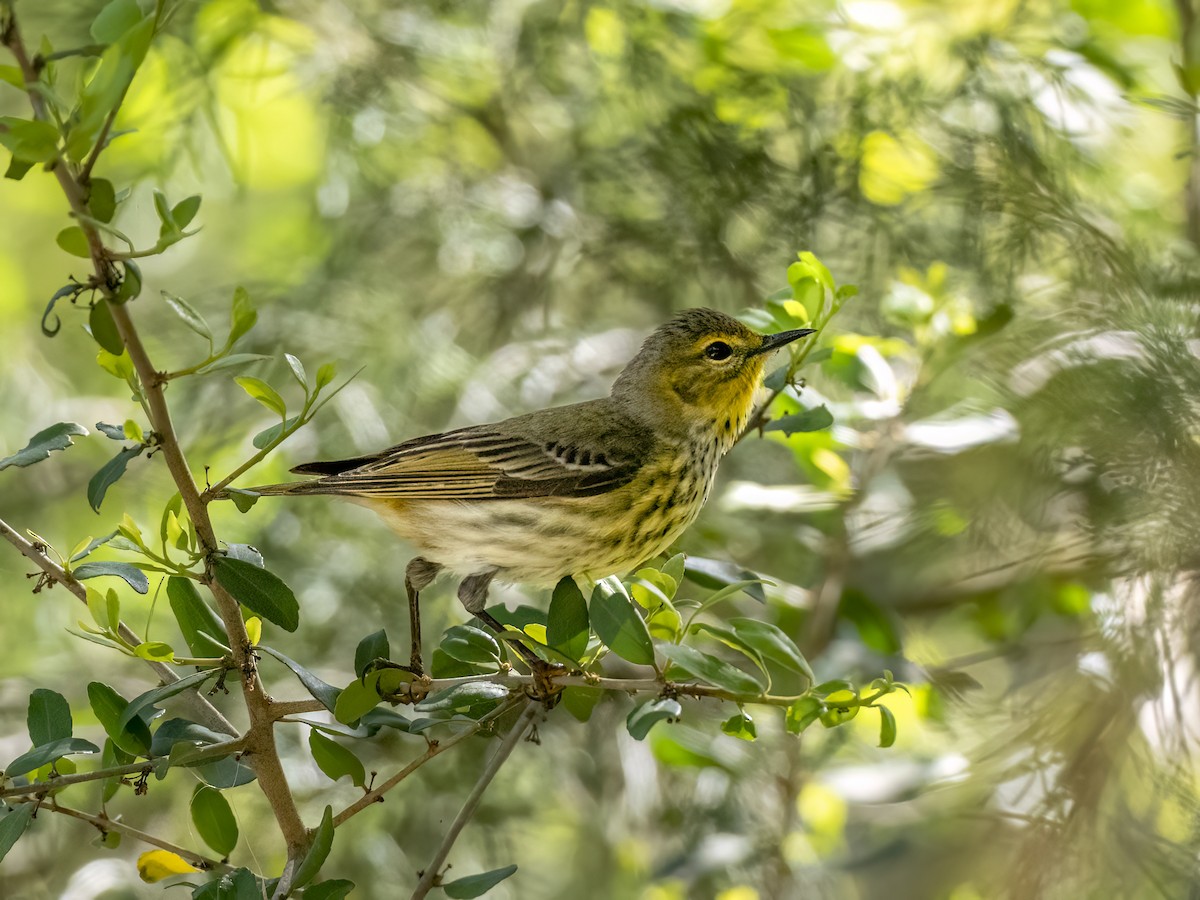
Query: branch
(520, 683)
(199, 708)
(511, 740)
(435, 748)
(142, 768)
(105, 824)
(260, 738)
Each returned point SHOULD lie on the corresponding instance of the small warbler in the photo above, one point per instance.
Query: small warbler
(591, 489)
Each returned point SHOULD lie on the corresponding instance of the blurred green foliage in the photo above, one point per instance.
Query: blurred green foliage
(486, 205)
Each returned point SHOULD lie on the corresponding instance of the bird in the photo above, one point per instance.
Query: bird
(586, 490)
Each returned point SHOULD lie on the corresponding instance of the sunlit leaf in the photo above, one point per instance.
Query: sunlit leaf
(335, 760)
(712, 670)
(263, 393)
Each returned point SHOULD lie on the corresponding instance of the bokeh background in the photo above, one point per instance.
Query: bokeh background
(486, 205)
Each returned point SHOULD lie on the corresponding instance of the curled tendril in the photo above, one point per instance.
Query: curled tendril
(65, 291)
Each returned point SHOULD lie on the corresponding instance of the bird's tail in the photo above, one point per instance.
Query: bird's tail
(290, 488)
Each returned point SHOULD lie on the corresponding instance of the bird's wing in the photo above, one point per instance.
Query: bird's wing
(534, 456)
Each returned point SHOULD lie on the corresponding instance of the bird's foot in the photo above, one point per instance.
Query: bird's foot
(414, 667)
(544, 687)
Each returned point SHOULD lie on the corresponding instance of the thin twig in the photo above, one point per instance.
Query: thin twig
(199, 708)
(105, 824)
(516, 682)
(143, 768)
(432, 872)
(435, 748)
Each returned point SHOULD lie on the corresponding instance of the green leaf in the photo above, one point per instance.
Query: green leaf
(13, 825)
(260, 591)
(214, 819)
(617, 623)
(887, 727)
(335, 760)
(29, 141)
(145, 701)
(131, 282)
(581, 701)
(102, 199)
(73, 241)
(462, 697)
(116, 18)
(774, 644)
(56, 437)
(201, 627)
(732, 640)
(317, 852)
(337, 889)
(298, 372)
(642, 718)
(263, 393)
(268, 436)
(228, 772)
(243, 500)
(82, 552)
(188, 314)
(374, 646)
(740, 725)
(242, 317)
(231, 362)
(49, 717)
(47, 753)
(326, 374)
(810, 420)
(109, 706)
(469, 644)
(357, 699)
(17, 168)
(567, 625)
(803, 713)
(185, 210)
(652, 588)
(477, 885)
(112, 432)
(109, 474)
(714, 573)
(712, 670)
(132, 575)
(320, 690)
(176, 731)
(105, 608)
(104, 329)
(155, 651)
(12, 75)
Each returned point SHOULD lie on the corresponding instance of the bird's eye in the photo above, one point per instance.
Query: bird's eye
(718, 350)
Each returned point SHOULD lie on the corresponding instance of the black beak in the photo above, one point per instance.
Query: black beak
(775, 341)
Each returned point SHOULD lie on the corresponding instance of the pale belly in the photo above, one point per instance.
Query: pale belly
(539, 541)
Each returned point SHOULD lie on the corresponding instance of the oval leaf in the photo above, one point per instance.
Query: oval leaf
(462, 696)
(618, 624)
(477, 885)
(646, 716)
(374, 646)
(214, 819)
(49, 717)
(131, 575)
(567, 624)
(258, 590)
(201, 626)
(335, 760)
(712, 670)
(47, 753)
(470, 645)
(263, 393)
(774, 644)
(317, 852)
(13, 825)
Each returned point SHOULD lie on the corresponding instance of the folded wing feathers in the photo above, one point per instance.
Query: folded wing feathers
(468, 464)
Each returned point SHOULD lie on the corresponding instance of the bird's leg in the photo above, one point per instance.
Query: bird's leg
(473, 593)
(418, 576)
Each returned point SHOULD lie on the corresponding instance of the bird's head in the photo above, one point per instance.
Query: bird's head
(703, 366)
